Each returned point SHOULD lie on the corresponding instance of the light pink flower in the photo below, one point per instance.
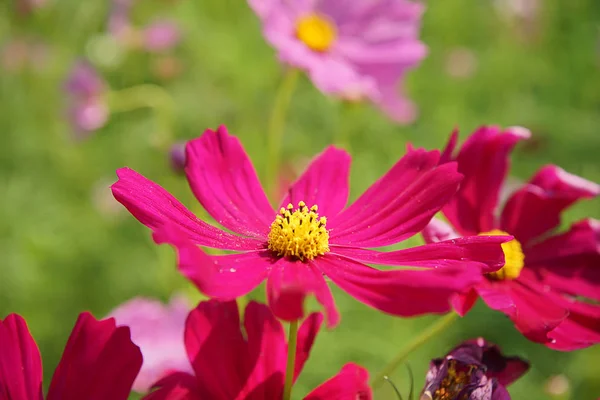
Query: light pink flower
(160, 36)
(158, 330)
(314, 235)
(351, 49)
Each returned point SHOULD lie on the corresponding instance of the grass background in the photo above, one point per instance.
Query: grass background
(66, 246)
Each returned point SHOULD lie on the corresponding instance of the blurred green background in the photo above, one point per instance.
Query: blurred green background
(67, 246)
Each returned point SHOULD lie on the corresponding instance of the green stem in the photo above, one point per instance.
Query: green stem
(147, 96)
(291, 360)
(434, 329)
(276, 126)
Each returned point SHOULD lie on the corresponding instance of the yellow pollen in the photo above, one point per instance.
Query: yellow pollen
(514, 258)
(317, 31)
(299, 233)
(453, 383)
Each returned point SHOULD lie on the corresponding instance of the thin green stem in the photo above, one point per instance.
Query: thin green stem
(147, 96)
(276, 127)
(438, 326)
(291, 360)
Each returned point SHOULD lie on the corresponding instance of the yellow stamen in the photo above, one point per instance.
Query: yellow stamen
(453, 383)
(299, 233)
(317, 31)
(514, 258)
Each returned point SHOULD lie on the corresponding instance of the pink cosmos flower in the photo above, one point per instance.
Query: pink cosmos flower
(99, 362)
(160, 36)
(546, 273)
(313, 235)
(88, 110)
(351, 49)
(158, 330)
(233, 365)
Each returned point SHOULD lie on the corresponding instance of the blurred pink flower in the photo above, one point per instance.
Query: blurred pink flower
(160, 36)
(351, 49)
(88, 110)
(158, 330)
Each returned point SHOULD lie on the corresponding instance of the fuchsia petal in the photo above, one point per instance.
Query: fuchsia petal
(225, 183)
(437, 231)
(306, 337)
(398, 292)
(468, 251)
(351, 383)
(325, 183)
(484, 161)
(176, 386)
(570, 262)
(217, 349)
(398, 205)
(99, 362)
(497, 295)
(267, 349)
(288, 285)
(463, 302)
(20, 362)
(157, 329)
(580, 330)
(225, 277)
(536, 208)
(154, 207)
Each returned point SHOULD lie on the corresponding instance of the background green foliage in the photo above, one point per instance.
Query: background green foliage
(66, 246)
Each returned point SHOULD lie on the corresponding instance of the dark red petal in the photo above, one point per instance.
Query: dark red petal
(225, 277)
(217, 349)
(288, 285)
(20, 362)
(484, 162)
(324, 183)
(154, 207)
(99, 362)
(536, 208)
(398, 205)
(398, 292)
(224, 181)
(351, 383)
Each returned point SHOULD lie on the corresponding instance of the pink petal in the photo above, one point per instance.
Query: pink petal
(158, 331)
(448, 152)
(438, 230)
(463, 302)
(398, 292)
(267, 351)
(99, 362)
(217, 349)
(154, 207)
(324, 183)
(484, 253)
(570, 262)
(398, 205)
(484, 161)
(497, 295)
(20, 362)
(176, 386)
(536, 208)
(581, 329)
(351, 383)
(225, 277)
(288, 285)
(306, 337)
(225, 183)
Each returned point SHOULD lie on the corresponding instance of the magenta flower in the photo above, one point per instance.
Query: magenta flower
(351, 49)
(313, 235)
(160, 36)
(474, 370)
(99, 362)
(158, 330)
(233, 365)
(88, 110)
(546, 273)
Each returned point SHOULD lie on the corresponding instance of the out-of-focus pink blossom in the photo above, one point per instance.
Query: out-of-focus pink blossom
(160, 36)
(350, 49)
(158, 331)
(177, 157)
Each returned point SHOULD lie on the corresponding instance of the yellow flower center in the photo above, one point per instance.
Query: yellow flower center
(453, 383)
(299, 233)
(316, 31)
(514, 258)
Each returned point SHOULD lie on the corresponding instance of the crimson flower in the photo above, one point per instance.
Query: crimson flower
(474, 370)
(251, 365)
(313, 235)
(546, 273)
(99, 362)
